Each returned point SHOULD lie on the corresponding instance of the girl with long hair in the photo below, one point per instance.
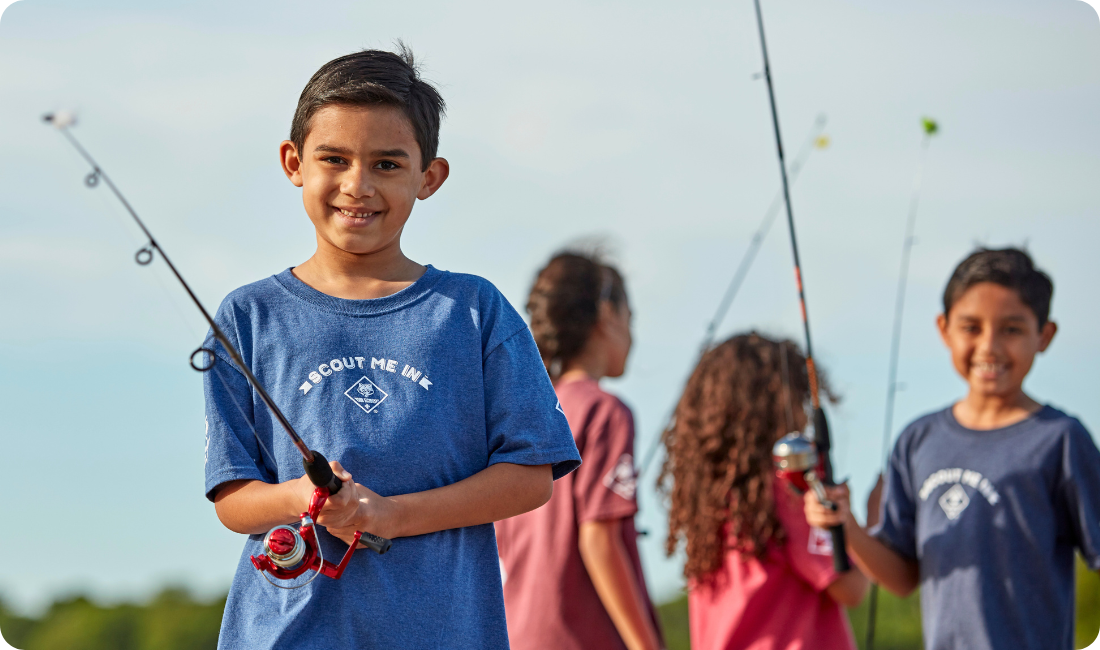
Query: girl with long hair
(572, 576)
(758, 575)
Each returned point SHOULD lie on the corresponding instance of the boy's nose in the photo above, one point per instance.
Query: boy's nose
(357, 182)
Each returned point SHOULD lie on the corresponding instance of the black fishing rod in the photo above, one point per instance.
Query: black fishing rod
(821, 426)
(315, 464)
(815, 140)
(892, 386)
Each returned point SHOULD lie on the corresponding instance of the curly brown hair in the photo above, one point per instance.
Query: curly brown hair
(739, 400)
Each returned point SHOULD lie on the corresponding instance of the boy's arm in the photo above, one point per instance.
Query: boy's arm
(253, 507)
(877, 560)
(612, 572)
(497, 492)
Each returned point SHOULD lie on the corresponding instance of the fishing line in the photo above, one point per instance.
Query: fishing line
(815, 140)
(930, 129)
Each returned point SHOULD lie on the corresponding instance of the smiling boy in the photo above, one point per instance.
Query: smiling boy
(987, 500)
(425, 386)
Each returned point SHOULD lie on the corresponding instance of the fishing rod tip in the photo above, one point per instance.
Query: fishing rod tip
(60, 119)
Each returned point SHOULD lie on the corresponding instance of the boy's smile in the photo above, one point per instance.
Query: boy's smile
(993, 337)
(360, 172)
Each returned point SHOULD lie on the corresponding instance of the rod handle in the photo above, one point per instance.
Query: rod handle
(841, 563)
(375, 543)
(320, 474)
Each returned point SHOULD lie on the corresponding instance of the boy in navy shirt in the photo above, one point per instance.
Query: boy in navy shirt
(426, 386)
(986, 501)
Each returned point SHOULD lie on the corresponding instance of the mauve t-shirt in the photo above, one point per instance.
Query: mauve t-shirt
(549, 599)
(777, 601)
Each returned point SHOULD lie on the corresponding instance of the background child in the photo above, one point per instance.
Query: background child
(986, 500)
(573, 575)
(758, 575)
(425, 385)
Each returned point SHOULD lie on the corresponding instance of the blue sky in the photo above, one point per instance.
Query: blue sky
(637, 122)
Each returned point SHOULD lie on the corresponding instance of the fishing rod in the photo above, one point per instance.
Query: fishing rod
(822, 441)
(287, 551)
(815, 140)
(930, 128)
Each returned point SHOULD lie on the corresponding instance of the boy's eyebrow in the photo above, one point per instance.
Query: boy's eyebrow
(390, 153)
(328, 148)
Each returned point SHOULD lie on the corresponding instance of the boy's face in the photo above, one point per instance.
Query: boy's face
(993, 337)
(360, 173)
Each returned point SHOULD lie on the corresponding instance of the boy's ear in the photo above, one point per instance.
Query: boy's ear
(1046, 335)
(292, 164)
(941, 325)
(438, 170)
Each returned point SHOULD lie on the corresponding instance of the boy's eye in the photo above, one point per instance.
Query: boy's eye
(387, 165)
(335, 160)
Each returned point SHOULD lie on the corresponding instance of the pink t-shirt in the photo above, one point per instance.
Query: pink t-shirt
(778, 601)
(549, 599)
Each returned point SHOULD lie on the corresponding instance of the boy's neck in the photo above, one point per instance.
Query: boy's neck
(984, 412)
(352, 276)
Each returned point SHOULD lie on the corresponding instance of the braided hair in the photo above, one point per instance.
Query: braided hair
(564, 305)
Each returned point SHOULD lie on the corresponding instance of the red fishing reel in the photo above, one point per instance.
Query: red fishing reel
(795, 458)
(290, 552)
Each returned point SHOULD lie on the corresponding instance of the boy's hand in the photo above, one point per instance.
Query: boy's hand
(820, 516)
(340, 507)
(374, 514)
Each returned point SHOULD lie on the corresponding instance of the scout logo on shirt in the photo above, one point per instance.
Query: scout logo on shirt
(621, 479)
(954, 501)
(366, 394)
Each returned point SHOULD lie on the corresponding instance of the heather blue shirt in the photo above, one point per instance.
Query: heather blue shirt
(993, 518)
(409, 392)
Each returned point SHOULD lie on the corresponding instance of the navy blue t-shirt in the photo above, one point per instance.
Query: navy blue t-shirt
(409, 392)
(993, 518)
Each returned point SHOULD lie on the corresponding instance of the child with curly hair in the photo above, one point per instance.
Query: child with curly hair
(758, 575)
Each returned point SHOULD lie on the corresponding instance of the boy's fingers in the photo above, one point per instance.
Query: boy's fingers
(339, 470)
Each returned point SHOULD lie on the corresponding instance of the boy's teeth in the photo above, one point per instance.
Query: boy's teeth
(355, 214)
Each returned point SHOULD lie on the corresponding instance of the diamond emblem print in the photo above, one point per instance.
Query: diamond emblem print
(366, 394)
(954, 501)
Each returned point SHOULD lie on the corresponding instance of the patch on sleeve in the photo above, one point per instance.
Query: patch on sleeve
(821, 542)
(621, 479)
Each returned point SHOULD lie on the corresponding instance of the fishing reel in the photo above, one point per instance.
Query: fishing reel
(290, 552)
(796, 459)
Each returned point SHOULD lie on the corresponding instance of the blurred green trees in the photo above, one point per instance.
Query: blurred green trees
(176, 621)
(171, 621)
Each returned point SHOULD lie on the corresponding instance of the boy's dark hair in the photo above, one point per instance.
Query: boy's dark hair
(1008, 267)
(374, 78)
(564, 304)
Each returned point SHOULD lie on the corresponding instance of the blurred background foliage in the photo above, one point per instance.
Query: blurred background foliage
(174, 620)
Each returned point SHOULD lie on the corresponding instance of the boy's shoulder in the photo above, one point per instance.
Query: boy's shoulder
(1049, 424)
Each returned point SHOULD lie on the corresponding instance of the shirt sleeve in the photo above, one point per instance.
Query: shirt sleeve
(604, 486)
(525, 424)
(232, 450)
(898, 515)
(809, 551)
(1080, 492)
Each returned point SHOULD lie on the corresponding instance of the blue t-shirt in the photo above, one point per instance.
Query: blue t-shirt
(409, 392)
(993, 518)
